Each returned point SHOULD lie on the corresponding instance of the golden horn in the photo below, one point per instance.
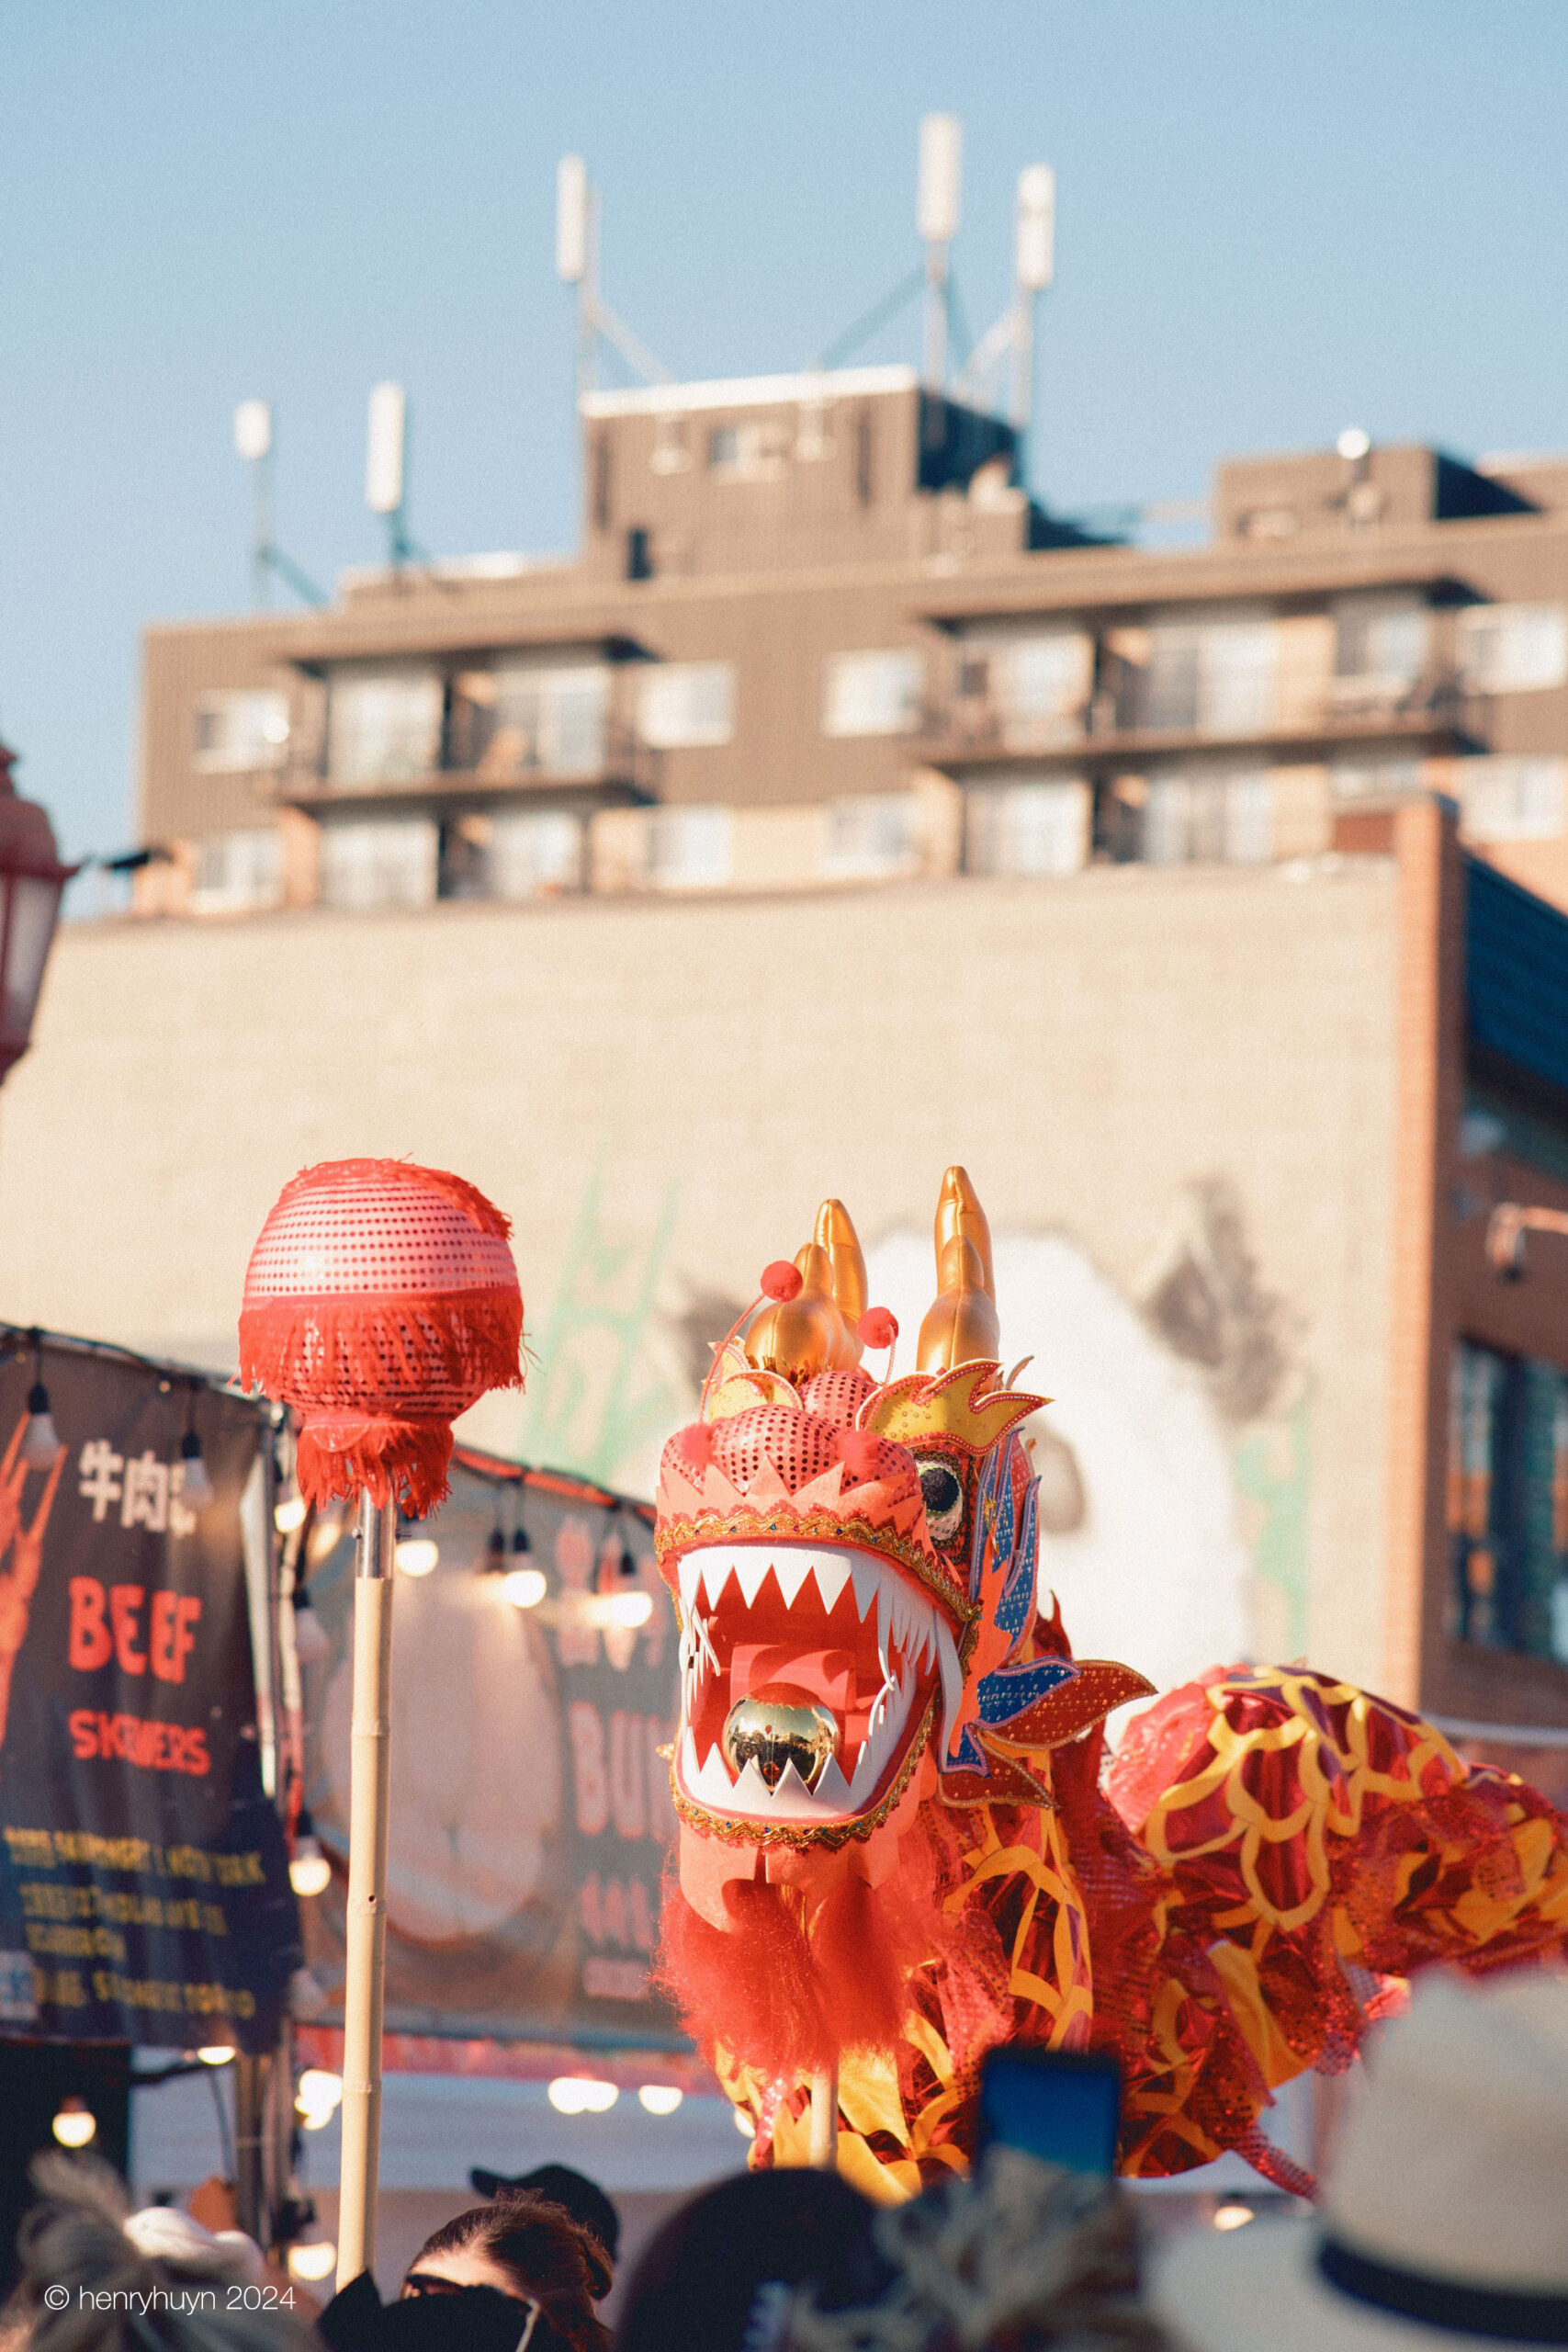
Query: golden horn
(805, 1334)
(963, 1326)
(837, 1234)
(958, 1210)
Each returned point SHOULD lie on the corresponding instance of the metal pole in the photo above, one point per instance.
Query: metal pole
(261, 528)
(250, 2093)
(369, 1774)
(934, 365)
(824, 2149)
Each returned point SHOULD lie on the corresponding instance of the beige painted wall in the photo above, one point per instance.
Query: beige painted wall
(1087, 1047)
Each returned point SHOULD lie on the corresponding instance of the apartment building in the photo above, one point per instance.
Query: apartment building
(836, 815)
(817, 635)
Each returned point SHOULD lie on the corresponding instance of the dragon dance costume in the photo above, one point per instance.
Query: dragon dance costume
(899, 1843)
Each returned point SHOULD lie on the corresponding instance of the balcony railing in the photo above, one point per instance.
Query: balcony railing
(1123, 721)
(510, 763)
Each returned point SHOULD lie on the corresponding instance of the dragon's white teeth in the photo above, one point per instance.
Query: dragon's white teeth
(868, 1582)
(951, 1681)
(691, 1577)
(832, 1790)
(688, 1758)
(750, 1793)
(832, 1573)
(792, 1799)
(713, 1784)
(717, 1566)
(749, 1570)
(792, 1568)
(883, 1736)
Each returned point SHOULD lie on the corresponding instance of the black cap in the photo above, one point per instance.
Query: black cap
(573, 2191)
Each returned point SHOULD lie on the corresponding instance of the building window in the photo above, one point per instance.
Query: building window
(1507, 1501)
(536, 853)
(1211, 677)
(599, 500)
(238, 732)
(639, 552)
(1379, 777)
(872, 694)
(754, 452)
(387, 864)
(1194, 817)
(238, 873)
(1513, 648)
(683, 705)
(1026, 692)
(522, 719)
(865, 451)
(690, 849)
(1040, 827)
(1512, 799)
(669, 454)
(869, 837)
(1380, 647)
(383, 723)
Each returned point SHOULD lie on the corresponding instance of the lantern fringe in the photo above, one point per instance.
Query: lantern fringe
(394, 1461)
(481, 1214)
(341, 1349)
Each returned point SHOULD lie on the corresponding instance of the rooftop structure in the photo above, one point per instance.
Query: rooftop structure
(817, 632)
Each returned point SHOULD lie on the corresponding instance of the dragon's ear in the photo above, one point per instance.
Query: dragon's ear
(963, 1326)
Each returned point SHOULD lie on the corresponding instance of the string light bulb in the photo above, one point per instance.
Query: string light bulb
(41, 1446)
(316, 2259)
(76, 2124)
(197, 1489)
(416, 1556)
(310, 1871)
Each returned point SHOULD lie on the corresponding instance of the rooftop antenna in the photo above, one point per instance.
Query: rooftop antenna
(1013, 336)
(940, 179)
(1034, 267)
(252, 441)
(577, 264)
(386, 485)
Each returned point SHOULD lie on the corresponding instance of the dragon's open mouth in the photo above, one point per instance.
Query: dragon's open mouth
(806, 1672)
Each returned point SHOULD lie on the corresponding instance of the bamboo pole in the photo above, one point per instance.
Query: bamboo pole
(825, 2120)
(370, 1775)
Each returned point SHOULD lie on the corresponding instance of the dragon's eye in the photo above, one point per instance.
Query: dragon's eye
(943, 1492)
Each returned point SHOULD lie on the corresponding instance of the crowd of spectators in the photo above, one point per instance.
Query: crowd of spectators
(1444, 2228)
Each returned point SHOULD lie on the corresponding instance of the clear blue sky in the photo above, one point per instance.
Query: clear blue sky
(1274, 219)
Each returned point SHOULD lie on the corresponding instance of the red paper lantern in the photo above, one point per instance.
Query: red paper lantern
(381, 1302)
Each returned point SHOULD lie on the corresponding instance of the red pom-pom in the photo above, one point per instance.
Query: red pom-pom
(877, 1327)
(781, 1281)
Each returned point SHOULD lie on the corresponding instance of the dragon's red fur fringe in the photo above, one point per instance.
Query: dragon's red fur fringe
(791, 1992)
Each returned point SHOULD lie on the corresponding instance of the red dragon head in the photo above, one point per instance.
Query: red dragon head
(853, 1564)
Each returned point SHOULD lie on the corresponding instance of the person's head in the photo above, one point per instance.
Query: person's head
(529, 2249)
(152, 2288)
(703, 2277)
(1443, 2225)
(560, 2184)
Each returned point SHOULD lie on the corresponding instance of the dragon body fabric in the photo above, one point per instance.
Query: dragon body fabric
(900, 1844)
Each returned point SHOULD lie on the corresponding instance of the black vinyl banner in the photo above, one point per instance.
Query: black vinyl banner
(531, 1814)
(145, 1890)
